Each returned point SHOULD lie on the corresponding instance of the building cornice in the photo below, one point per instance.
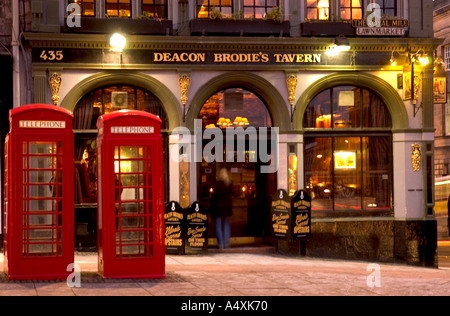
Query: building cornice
(140, 42)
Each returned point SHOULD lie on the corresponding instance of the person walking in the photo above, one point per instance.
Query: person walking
(221, 208)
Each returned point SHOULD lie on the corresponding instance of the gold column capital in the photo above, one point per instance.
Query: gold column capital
(416, 157)
(291, 82)
(184, 82)
(55, 83)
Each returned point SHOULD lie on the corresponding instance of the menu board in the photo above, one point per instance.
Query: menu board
(175, 221)
(281, 215)
(196, 229)
(301, 215)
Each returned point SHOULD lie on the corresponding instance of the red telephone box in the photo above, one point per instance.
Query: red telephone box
(131, 195)
(39, 206)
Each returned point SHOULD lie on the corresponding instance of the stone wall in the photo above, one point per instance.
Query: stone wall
(387, 240)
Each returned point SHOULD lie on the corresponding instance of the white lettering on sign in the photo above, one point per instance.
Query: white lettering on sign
(132, 130)
(42, 124)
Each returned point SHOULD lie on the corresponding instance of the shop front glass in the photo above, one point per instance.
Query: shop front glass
(348, 152)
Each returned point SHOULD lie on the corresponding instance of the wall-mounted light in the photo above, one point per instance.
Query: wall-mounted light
(117, 42)
(420, 56)
(393, 60)
(341, 44)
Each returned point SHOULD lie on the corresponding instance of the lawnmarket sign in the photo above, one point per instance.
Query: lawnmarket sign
(384, 27)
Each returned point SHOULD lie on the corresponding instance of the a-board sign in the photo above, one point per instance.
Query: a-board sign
(196, 229)
(301, 215)
(175, 222)
(281, 215)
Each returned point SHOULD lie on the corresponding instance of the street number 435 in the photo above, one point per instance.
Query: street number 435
(52, 55)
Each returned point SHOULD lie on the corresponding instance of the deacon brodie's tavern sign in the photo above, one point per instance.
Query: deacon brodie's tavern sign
(179, 57)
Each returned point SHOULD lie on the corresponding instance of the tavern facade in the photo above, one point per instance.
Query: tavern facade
(352, 129)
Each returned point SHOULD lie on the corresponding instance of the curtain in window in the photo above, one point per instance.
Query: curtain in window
(84, 113)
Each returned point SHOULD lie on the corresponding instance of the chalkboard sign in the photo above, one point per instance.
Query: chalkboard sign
(301, 215)
(196, 229)
(281, 215)
(175, 220)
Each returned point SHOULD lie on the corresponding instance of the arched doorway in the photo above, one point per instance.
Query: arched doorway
(243, 120)
(97, 102)
(348, 153)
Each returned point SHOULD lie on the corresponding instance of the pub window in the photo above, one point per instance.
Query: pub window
(118, 8)
(210, 8)
(447, 57)
(350, 9)
(155, 8)
(87, 6)
(348, 152)
(89, 108)
(318, 9)
(388, 7)
(257, 9)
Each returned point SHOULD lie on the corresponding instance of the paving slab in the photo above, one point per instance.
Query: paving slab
(235, 274)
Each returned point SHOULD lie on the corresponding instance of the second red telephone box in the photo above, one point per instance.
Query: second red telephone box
(131, 195)
(39, 177)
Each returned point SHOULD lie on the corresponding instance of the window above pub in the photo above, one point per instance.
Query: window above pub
(214, 9)
(345, 10)
(155, 8)
(351, 9)
(318, 9)
(87, 7)
(118, 8)
(257, 9)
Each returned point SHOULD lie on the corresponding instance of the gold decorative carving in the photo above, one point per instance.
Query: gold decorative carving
(291, 82)
(416, 156)
(55, 83)
(184, 82)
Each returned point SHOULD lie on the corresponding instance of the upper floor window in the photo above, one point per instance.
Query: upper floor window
(388, 7)
(258, 8)
(347, 107)
(351, 9)
(212, 8)
(447, 57)
(87, 6)
(318, 9)
(118, 8)
(155, 8)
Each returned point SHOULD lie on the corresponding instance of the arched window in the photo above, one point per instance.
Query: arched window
(348, 152)
(89, 108)
(235, 107)
(115, 98)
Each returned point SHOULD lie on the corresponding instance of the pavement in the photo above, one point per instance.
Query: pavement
(247, 274)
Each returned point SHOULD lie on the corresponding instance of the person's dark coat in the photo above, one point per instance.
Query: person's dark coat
(221, 200)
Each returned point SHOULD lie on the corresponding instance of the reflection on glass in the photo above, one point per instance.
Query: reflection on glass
(292, 170)
(318, 172)
(357, 178)
(133, 195)
(42, 194)
(347, 178)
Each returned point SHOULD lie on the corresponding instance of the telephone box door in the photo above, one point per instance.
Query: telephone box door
(131, 200)
(39, 234)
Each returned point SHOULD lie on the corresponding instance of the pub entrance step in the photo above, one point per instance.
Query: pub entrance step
(250, 245)
(257, 249)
